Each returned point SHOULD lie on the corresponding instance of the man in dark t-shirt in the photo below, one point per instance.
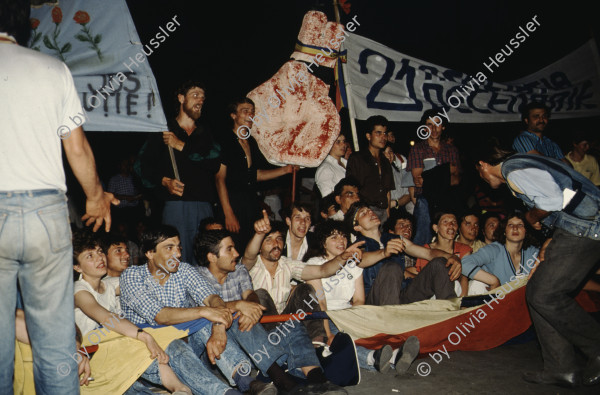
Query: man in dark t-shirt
(240, 169)
(189, 197)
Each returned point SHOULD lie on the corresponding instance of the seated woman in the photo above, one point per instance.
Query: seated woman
(497, 262)
(445, 227)
(96, 302)
(346, 289)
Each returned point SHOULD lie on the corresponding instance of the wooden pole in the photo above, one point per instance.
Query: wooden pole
(293, 184)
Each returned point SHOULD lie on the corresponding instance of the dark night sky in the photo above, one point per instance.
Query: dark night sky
(236, 45)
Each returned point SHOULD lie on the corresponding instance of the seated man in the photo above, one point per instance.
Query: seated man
(383, 281)
(402, 223)
(96, 304)
(272, 273)
(298, 220)
(165, 291)
(346, 193)
(215, 251)
(469, 230)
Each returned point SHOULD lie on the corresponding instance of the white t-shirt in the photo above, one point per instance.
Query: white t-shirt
(108, 300)
(339, 288)
(37, 96)
(114, 281)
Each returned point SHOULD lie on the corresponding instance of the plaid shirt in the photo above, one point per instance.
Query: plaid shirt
(142, 298)
(123, 185)
(446, 154)
(528, 141)
(235, 283)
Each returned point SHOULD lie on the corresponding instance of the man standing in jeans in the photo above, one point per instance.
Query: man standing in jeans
(426, 155)
(37, 101)
(560, 198)
(188, 195)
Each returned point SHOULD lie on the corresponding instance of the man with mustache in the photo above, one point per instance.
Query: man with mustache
(532, 141)
(189, 195)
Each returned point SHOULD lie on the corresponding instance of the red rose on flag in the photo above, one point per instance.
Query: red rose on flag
(34, 23)
(56, 15)
(81, 17)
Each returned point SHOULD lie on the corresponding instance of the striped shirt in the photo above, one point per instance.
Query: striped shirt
(278, 286)
(528, 141)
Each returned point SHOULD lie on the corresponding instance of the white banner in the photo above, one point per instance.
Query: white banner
(99, 43)
(384, 82)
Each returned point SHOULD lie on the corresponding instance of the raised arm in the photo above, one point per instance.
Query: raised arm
(261, 228)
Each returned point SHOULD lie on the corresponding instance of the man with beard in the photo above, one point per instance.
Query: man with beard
(240, 169)
(189, 197)
(532, 141)
(272, 273)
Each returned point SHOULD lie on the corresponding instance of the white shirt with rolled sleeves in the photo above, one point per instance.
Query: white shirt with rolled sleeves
(278, 286)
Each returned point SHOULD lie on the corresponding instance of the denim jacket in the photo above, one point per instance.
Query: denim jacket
(581, 217)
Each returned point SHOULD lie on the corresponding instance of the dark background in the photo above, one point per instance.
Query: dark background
(233, 46)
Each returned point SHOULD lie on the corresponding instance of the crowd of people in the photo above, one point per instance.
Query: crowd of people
(387, 229)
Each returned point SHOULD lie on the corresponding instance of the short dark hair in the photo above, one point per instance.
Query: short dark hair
(83, 240)
(466, 213)
(232, 106)
(434, 112)
(500, 233)
(298, 206)
(322, 232)
(350, 217)
(579, 136)
(111, 239)
(534, 105)
(373, 121)
(14, 19)
(327, 202)
(154, 236)
(206, 222)
(487, 215)
(491, 153)
(346, 181)
(277, 226)
(397, 215)
(208, 241)
(439, 214)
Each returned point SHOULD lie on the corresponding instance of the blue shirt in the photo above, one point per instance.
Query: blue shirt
(528, 141)
(495, 259)
(235, 283)
(142, 297)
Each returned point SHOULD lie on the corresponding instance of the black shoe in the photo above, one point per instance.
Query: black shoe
(406, 356)
(382, 358)
(260, 388)
(591, 373)
(320, 388)
(567, 380)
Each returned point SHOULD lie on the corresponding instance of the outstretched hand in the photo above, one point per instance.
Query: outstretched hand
(98, 211)
(353, 251)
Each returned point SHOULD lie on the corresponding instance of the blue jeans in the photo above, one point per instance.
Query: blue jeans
(186, 217)
(361, 352)
(291, 335)
(423, 233)
(190, 370)
(35, 248)
(253, 341)
(231, 359)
